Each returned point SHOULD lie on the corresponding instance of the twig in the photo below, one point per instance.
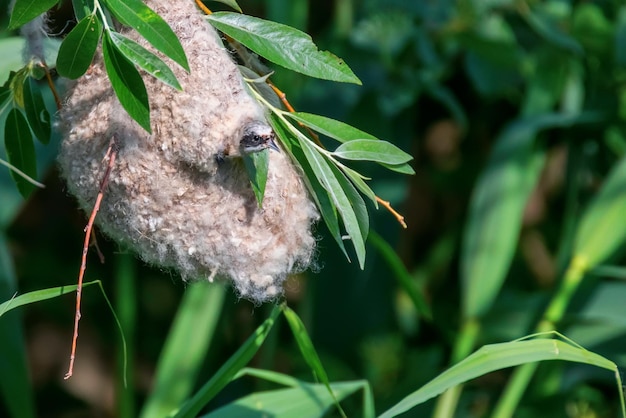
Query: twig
(111, 154)
(387, 206)
(53, 89)
(202, 7)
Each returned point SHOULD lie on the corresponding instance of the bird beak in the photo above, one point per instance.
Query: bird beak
(273, 145)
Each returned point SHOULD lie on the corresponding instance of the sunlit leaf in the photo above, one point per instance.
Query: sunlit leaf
(26, 10)
(227, 372)
(145, 59)
(283, 45)
(151, 26)
(127, 84)
(318, 193)
(185, 349)
(327, 178)
(39, 295)
(372, 150)
(20, 150)
(78, 48)
(36, 112)
(332, 128)
(602, 229)
(495, 357)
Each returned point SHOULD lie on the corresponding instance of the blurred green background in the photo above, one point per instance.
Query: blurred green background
(539, 84)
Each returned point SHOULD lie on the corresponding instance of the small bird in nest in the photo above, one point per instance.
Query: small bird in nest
(257, 136)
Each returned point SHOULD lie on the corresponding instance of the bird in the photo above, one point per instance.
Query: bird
(257, 136)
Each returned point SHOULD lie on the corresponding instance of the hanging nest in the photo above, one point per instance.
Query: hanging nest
(168, 197)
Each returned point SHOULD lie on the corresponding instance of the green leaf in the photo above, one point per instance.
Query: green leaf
(39, 295)
(318, 193)
(304, 400)
(20, 150)
(36, 112)
(372, 150)
(232, 3)
(185, 348)
(399, 168)
(283, 45)
(332, 128)
(16, 388)
(127, 84)
(257, 165)
(83, 8)
(307, 349)
(145, 59)
(78, 48)
(496, 207)
(328, 179)
(602, 228)
(227, 372)
(26, 10)
(150, 25)
(499, 356)
(401, 274)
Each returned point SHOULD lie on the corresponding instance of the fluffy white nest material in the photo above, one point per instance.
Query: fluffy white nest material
(168, 198)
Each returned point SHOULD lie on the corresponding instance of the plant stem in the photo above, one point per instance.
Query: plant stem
(520, 379)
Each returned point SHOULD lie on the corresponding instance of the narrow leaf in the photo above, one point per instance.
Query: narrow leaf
(283, 45)
(20, 150)
(307, 349)
(602, 229)
(399, 168)
(127, 84)
(496, 207)
(78, 48)
(26, 10)
(332, 128)
(227, 372)
(36, 112)
(145, 59)
(318, 193)
(39, 295)
(185, 348)
(257, 165)
(401, 274)
(150, 25)
(330, 182)
(304, 401)
(495, 357)
(372, 150)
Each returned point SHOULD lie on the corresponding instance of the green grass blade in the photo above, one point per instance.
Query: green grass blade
(307, 349)
(495, 357)
(185, 349)
(602, 228)
(496, 208)
(126, 306)
(306, 401)
(401, 274)
(39, 295)
(228, 371)
(15, 387)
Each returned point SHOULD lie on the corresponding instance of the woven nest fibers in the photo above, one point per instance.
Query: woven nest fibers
(168, 197)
